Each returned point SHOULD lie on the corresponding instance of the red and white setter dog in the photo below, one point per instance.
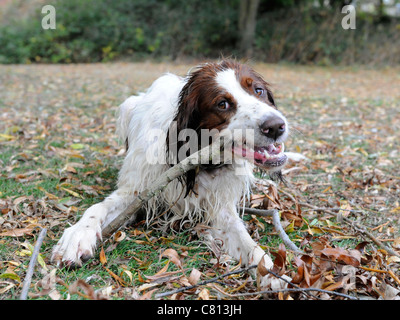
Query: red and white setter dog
(228, 99)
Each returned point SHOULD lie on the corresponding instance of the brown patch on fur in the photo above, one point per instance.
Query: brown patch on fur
(251, 80)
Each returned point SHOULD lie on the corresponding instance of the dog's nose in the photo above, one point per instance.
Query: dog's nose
(273, 128)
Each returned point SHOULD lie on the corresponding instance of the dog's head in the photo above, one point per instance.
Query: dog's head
(232, 99)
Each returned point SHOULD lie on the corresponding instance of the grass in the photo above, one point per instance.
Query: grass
(59, 155)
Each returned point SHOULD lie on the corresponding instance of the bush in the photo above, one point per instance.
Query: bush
(314, 35)
(101, 30)
(105, 30)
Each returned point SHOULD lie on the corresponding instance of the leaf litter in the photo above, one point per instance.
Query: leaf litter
(60, 154)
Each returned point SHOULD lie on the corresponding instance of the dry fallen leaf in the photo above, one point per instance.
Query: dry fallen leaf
(102, 257)
(351, 257)
(173, 256)
(88, 291)
(18, 232)
(204, 294)
(194, 276)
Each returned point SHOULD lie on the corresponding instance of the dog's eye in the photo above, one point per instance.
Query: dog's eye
(259, 91)
(224, 105)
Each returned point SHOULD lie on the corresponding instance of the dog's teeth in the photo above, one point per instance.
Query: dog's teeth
(282, 147)
(266, 154)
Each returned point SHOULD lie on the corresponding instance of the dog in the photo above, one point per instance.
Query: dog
(226, 98)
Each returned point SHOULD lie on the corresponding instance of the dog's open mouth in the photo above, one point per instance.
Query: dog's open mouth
(268, 156)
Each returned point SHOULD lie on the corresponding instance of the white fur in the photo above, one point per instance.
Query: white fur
(219, 191)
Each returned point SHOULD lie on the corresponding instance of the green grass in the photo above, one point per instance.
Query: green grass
(67, 158)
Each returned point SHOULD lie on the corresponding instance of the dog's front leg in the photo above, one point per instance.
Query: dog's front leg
(236, 241)
(78, 242)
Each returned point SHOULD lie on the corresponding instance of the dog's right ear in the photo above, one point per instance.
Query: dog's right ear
(188, 113)
(186, 117)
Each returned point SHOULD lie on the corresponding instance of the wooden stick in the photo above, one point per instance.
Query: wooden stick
(32, 263)
(205, 155)
(202, 283)
(215, 279)
(394, 277)
(302, 290)
(359, 228)
(277, 224)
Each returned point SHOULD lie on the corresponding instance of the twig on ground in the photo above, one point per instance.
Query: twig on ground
(277, 224)
(380, 244)
(359, 228)
(302, 290)
(333, 209)
(202, 283)
(32, 263)
(296, 288)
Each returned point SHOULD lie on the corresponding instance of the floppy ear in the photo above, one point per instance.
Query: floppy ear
(187, 117)
(188, 113)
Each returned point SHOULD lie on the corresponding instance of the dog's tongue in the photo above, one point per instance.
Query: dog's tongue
(262, 154)
(271, 155)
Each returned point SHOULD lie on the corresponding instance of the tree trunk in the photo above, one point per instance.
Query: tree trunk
(380, 9)
(247, 26)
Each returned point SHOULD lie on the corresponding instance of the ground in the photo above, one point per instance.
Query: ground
(60, 154)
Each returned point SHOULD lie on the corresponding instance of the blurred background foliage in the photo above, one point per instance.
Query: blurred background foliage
(298, 31)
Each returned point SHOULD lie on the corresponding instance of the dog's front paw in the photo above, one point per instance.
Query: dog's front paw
(77, 245)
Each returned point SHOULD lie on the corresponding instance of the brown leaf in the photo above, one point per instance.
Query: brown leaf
(280, 260)
(148, 295)
(88, 291)
(204, 294)
(299, 276)
(119, 236)
(325, 263)
(271, 200)
(70, 169)
(352, 257)
(102, 257)
(335, 286)
(18, 232)
(140, 278)
(282, 251)
(163, 277)
(162, 271)
(317, 247)
(184, 281)
(306, 278)
(360, 247)
(117, 278)
(308, 260)
(194, 276)
(173, 256)
(261, 269)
